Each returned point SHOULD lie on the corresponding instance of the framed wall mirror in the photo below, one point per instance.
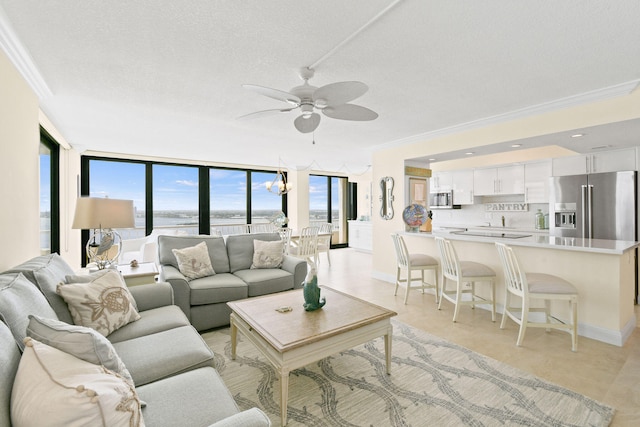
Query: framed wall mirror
(386, 197)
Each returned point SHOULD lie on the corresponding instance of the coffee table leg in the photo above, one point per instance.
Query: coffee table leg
(387, 349)
(284, 395)
(234, 337)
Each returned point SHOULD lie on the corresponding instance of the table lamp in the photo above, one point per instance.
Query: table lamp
(101, 216)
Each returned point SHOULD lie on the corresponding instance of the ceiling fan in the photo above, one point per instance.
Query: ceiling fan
(332, 100)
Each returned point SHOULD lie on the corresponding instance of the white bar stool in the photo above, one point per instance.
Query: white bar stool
(464, 272)
(412, 262)
(528, 286)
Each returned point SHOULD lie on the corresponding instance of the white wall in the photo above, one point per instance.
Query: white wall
(19, 168)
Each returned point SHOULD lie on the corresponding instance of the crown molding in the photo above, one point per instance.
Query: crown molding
(558, 104)
(19, 56)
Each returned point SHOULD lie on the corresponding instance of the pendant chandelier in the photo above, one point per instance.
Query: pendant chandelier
(279, 185)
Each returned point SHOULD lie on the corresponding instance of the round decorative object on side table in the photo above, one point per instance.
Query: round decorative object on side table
(414, 216)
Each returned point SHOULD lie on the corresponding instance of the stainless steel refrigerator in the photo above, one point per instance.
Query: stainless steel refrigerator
(597, 206)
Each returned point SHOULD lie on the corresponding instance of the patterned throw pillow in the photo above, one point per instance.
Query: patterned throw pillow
(267, 254)
(55, 388)
(194, 262)
(103, 304)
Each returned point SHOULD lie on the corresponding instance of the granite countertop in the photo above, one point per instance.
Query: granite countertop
(578, 244)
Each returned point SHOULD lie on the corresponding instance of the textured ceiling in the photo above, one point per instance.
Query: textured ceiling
(164, 78)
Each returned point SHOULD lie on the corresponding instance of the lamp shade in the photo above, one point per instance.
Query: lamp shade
(94, 212)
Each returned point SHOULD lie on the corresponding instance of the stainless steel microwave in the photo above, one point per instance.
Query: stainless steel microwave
(442, 200)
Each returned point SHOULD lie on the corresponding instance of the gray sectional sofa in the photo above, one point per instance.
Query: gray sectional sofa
(167, 359)
(204, 300)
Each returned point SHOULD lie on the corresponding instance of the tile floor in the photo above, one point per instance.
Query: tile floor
(601, 371)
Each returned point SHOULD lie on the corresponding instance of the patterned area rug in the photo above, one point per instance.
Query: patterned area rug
(432, 383)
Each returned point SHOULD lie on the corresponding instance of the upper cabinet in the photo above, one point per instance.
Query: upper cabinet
(441, 182)
(536, 182)
(501, 180)
(605, 161)
(462, 184)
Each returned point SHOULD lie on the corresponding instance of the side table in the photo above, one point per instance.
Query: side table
(144, 273)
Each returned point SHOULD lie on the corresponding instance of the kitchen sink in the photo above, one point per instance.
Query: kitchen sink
(491, 234)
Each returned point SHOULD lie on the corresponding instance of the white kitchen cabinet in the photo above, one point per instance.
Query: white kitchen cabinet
(501, 180)
(361, 235)
(462, 184)
(605, 161)
(440, 182)
(536, 182)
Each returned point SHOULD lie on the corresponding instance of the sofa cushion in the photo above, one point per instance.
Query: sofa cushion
(18, 299)
(267, 254)
(216, 246)
(194, 261)
(46, 272)
(78, 341)
(152, 357)
(55, 388)
(203, 398)
(151, 322)
(240, 249)
(103, 304)
(219, 288)
(266, 281)
(9, 360)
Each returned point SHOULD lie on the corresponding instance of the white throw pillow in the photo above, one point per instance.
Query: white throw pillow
(53, 388)
(267, 254)
(79, 341)
(194, 261)
(103, 304)
(86, 278)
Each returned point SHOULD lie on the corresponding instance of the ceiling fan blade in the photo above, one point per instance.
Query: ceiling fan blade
(263, 113)
(350, 112)
(339, 93)
(307, 125)
(280, 95)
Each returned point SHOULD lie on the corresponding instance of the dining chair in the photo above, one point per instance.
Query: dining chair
(536, 286)
(285, 236)
(324, 240)
(306, 246)
(413, 262)
(461, 272)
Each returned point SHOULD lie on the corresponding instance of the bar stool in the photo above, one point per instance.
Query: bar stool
(463, 272)
(412, 262)
(528, 286)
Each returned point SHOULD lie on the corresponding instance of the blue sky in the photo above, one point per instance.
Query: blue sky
(176, 187)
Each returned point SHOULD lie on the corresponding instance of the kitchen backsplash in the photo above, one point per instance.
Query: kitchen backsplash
(477, 214)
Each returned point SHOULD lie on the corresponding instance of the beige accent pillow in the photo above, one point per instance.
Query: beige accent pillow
(86, 278)
(267, 254)
(194, 261)
(103, 304)
(55, 388)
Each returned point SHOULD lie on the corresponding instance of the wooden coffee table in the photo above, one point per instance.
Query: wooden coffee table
(296, 338)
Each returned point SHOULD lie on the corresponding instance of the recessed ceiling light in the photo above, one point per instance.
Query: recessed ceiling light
(577, 135)
(432, 160)
(469, 153)
(516, 145)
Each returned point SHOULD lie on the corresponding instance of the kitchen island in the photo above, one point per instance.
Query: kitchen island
(603, 271)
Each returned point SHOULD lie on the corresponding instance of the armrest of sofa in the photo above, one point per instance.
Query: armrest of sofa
(253, 417)
(180, 285)
(297, 267)
(152, 295)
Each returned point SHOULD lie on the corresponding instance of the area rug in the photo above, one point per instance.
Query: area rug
(433, 382)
